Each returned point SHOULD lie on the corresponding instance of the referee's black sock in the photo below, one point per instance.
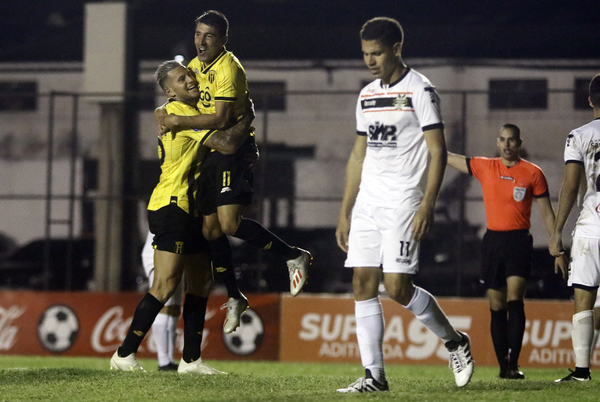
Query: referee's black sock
(194, 312)
(499, 332)
(221, 255)
(257, 235)
(516, 329)
(144, 316)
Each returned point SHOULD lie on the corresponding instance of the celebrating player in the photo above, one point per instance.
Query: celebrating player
(226, 180)
(178, 241)
(393, 177)
(509, 184)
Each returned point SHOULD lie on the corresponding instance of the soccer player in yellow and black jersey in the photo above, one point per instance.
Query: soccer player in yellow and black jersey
(178, 241)
(226, 191)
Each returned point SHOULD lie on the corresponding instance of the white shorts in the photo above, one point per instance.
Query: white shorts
(382, 237)
(148, 264)
(584, 268)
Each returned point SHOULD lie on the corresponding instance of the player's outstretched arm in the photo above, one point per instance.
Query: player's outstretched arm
(458, 162)
(353, 174)
(423, 220)
(566, 200)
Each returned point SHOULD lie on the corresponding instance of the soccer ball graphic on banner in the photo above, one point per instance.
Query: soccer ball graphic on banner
(248, 337)
(58, 328)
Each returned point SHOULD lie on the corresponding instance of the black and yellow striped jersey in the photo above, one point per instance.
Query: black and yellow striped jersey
(180, 160)
(223, 80)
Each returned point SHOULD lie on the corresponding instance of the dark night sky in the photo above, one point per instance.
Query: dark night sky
(319, 29)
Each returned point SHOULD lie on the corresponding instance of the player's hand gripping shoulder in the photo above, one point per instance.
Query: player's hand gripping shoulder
(422, 222)
(159, 115)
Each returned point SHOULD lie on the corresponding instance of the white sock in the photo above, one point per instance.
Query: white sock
(369, 333)
(161, 338)
(172, 322)
(582, 335)
(424, 306)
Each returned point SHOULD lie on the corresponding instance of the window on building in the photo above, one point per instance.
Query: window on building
(580, 96)
(147, 95)
(518, 94)
(268, 95)
(16, 96)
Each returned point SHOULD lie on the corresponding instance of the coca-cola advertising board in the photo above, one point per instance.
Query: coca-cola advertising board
(323, 328)
(95, 324)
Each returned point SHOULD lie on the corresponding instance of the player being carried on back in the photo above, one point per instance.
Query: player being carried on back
(226, 180)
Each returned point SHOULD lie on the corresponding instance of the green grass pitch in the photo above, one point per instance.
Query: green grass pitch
(28, 378)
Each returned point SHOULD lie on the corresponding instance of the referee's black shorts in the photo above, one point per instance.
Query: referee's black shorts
(176, 231)
(505, 254)
(226, 180)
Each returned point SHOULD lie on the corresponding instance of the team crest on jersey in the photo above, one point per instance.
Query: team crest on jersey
(403, 101)
(211, 76)
(519, 193)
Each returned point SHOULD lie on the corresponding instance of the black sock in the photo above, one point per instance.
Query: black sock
(220, 252)
(256, 234)
(516, 329)
(194, 311)
(144, 316)
(500, 336)
(581, 372)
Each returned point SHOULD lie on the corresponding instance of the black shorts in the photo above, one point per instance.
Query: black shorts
(225, 180)
(505, 254)
(176, 231)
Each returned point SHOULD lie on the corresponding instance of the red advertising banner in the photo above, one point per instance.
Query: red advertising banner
(323, 329)
(95, 324)
(304, 328)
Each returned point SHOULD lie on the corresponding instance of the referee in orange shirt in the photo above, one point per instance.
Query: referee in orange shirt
(509, 185)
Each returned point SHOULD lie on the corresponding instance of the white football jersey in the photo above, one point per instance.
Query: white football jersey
(583, 146)
(393, 118)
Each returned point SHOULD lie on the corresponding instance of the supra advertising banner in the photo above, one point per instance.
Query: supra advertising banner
(95, 324)
(323, 329)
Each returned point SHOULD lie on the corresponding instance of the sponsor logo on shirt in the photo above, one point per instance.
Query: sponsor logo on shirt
(506, 178)
(381, 136)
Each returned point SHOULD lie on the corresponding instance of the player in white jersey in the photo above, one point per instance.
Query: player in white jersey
(582, 162)
(393, 177)
(164, 328)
